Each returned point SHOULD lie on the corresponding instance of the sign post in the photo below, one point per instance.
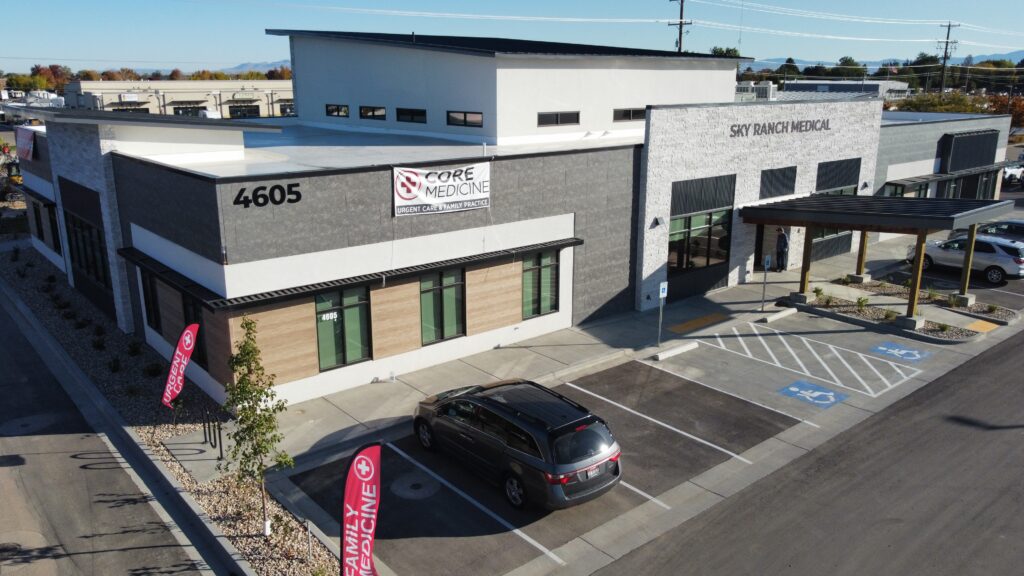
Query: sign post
(764, 284)
(662, 295)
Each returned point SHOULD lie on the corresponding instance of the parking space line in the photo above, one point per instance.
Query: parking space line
(742, 343)
(875, 370)
(645, 495)
(765, 344)
(508, 526)
(720, 343)
(795, 357)
(1002, 291)
(852, 371)
(662, 424)
(835, 379)
(737, 396)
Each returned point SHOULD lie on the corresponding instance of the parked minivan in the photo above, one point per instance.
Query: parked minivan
(542, 447)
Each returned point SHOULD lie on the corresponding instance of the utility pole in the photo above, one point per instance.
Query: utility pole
(680, 25)
(945, 52)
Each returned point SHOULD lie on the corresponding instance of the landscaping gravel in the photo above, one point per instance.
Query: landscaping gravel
(940, 299)
(878, 314)
(131, 376)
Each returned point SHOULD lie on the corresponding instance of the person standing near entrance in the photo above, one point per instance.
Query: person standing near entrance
(781, 250)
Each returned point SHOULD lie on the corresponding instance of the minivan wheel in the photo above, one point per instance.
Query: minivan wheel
(927, 263)
(425, 435)
(515, 491)
(995, 275)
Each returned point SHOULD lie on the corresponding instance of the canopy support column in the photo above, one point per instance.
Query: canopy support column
(862, 253)
(915, 275)
(965, 275)
(805, 266)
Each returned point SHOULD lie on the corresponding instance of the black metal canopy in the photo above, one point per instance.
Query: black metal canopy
(877, 213)
(929, 178)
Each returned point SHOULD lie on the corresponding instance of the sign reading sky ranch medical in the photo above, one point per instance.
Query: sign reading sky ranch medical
(782, 127)
(435, 191)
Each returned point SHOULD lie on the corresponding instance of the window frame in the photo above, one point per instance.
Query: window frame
(707, 221)
(465, 118)
(437, 295)
(535, 264)
(826, 233)
(247, 107)
(150, 300)
(51, 216)
(88, 250)
(340, 109)
(558, 118)
(340, 311)
(411, 115)
(365, 113)
(192, 313)
(634, 114)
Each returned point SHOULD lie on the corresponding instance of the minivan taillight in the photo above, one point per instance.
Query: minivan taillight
(1019, 260)
(556, 479)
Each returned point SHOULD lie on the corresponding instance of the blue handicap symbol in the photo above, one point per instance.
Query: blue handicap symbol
(813, 394)
(901, 351)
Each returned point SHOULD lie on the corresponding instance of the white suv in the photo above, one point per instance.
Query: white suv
(997, 257)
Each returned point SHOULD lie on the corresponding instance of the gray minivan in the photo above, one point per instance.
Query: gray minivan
(542, 447)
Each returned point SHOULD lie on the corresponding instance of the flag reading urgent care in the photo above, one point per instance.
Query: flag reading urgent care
(182, 354)
(359, 512)
(436, 191)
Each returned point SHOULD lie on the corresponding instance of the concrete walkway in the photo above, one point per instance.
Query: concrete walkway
(327, 422)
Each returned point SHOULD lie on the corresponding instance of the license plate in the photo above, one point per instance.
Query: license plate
(592, 472)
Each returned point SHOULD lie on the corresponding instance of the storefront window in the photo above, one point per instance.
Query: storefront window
(343, 327)
(442, 306)
(699, 240)
(150, 300)
(51, 215)
(244, 111)
(540, 284)
(193, 312)
(88, 250)
(822, 233)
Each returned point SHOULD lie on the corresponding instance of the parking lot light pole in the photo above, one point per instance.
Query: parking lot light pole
(965, 275)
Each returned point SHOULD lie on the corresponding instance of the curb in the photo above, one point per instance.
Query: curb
(883, 327)
(179, 504)
(999, 321)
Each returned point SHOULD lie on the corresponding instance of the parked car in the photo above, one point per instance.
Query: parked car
(1013, 174)
(996, 257)
(1010, 229)
(542, 447)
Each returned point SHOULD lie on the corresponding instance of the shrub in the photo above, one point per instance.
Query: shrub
(931, 294)
(82, 323)
(69, 314)
(828, 299)
(134, 348)
(890, 314)
(30, 264)
(907, 283)
(133, 390)
(862, 303)
(46, 288)
(62, 304)
(992, 308)
(153, 369)
(21, 271)
(818, 291)
(55, 296)
(99, 344)
(99, 331)
(114, 364)
(943, 327)
(51, 279)
(15, 254)
(845, 280)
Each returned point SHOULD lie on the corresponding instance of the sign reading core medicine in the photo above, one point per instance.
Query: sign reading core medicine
(438, 191)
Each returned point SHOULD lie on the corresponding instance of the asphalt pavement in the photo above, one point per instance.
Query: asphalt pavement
(931, 485)
(69, 506)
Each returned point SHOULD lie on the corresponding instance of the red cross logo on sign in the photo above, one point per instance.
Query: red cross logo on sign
(364, 468)
(407, 185)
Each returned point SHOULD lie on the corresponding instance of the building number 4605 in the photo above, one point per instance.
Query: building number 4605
(263, 195)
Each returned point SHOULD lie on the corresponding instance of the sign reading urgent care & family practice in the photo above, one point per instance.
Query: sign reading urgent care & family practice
(436, 191)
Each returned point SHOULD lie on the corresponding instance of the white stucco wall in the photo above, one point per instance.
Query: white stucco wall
(688, 142)
(597, 86)
(364, 74)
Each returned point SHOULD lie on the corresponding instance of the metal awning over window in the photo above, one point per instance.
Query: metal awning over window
(216, 302)
(187, 102)
(34, 195)
(241, 100)
(128, 103)
(929, 178)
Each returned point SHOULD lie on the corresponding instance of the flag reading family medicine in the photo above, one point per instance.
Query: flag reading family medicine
(359, 512)
(437, 191)
(182, 354)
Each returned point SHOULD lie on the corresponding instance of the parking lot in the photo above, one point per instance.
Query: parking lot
(439, 517)
(694, 429)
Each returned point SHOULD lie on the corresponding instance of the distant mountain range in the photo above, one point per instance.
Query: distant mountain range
(872, 65)
(256, 66)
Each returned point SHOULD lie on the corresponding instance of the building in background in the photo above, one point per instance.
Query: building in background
(228, 98)
(887, 89)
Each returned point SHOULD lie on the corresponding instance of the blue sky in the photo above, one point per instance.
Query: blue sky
(193, 34)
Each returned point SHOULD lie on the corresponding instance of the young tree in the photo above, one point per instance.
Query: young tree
(175, 74)
(725, 52)
(111, 75)
(88, 75)
(280, 73)
(252, 399)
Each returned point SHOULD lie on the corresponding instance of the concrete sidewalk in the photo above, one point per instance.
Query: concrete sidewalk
(327, 422)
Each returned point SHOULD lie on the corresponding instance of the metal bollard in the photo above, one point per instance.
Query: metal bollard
(309, 543)
(220, 442)
(206, 430)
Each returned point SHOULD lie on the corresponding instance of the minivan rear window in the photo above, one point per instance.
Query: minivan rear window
(584, 441)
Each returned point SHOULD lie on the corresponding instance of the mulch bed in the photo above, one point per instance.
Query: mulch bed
(131, 376)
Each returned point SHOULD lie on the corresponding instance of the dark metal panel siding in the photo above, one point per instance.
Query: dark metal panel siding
(833, 246)
(966, 150)
(838, 174)
(778, 182)
(703, 194)
(697, 282)
(39, 165)
(83, 202)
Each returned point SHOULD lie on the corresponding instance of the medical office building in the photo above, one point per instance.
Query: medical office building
(441, 197)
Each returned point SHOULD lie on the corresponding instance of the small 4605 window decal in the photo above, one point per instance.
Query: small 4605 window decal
(265, 195)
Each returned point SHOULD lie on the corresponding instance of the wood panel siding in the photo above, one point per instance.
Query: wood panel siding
(395, 318)
(172, 316)
(219, 347)
(286, 335)
(494, 296)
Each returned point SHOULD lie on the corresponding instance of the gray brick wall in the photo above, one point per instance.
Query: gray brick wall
(346, 210)
(903, 143)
